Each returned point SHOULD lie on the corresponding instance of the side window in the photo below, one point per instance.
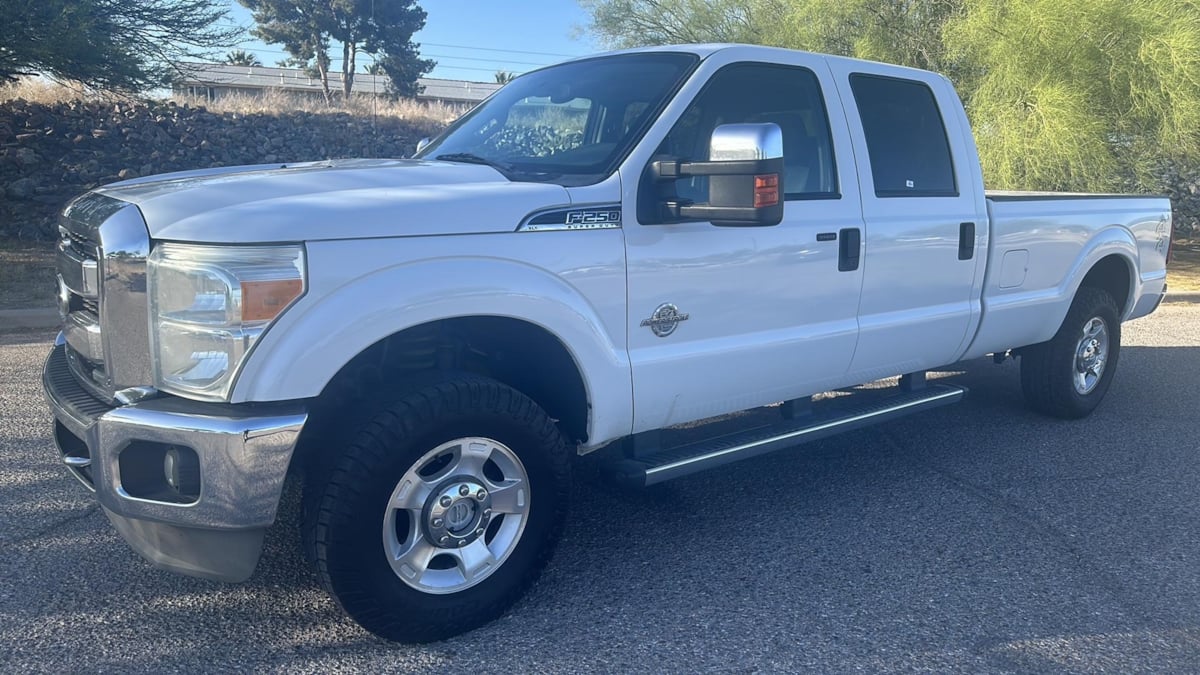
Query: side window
(906, 137)
(756, 92)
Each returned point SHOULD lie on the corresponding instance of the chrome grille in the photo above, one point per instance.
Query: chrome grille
(80, 242)
(102, 261)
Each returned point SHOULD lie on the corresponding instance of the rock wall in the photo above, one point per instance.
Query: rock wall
(51, 153)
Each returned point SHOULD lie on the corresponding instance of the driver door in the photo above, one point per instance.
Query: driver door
(760, 314)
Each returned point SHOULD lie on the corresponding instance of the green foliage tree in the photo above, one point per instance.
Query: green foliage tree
(307, 28)
(125, 45)
(504, 77)
(636, 23)
(1085, 95)
(1080, 95)
(241, 57)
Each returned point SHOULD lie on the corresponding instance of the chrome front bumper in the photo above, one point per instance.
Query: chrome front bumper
(243, 452)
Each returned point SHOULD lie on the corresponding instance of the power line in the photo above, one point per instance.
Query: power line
(492, 49)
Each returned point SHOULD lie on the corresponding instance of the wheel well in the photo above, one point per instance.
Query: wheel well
(524, 356)
(1111, 274)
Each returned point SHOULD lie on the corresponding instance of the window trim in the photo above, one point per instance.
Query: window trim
(787, 196)
(905, 194)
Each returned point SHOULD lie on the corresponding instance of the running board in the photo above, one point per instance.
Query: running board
(707, 454)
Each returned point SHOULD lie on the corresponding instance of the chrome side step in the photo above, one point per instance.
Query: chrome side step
(687, 459)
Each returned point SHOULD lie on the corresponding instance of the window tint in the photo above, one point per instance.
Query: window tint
(906, 137)
(750, 92)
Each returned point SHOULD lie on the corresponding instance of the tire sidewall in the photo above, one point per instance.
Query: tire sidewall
(356, 562)
(1088, 306)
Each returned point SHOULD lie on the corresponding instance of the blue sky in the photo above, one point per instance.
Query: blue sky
(472, 39)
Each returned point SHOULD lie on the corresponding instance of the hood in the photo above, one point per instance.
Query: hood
(342, 199)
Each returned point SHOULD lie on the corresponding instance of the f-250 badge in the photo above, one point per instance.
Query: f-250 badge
(665, 319)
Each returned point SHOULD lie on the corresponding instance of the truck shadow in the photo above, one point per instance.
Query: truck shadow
(974, 537)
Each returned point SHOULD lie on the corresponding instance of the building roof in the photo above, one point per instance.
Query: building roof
(292, 79)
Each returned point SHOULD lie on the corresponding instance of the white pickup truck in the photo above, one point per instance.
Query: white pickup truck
(603, 249)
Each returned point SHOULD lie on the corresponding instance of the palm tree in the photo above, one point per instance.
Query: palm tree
(241, 57)
(504, 77)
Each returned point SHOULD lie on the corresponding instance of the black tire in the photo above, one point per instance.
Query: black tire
(350, 504)
(1048, 370)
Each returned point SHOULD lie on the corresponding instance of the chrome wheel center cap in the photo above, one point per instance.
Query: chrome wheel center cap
(457, 513)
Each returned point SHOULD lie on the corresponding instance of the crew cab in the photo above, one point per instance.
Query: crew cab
(602, 250)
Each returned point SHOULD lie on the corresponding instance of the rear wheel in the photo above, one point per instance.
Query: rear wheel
(1068, 376)
(442, 511)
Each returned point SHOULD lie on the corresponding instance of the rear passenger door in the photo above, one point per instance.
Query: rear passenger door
(922, 214)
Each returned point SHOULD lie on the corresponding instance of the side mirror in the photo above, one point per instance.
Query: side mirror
(423, 143)
(745, 178)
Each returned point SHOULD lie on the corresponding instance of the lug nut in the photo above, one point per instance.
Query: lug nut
(443, 539)
(478, 532)
(445, 502)
(481, 495)
(437, 522)
(487, 512)
(464, 490)
(462, 542)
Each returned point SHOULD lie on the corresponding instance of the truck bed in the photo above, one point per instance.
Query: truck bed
(1041, 244)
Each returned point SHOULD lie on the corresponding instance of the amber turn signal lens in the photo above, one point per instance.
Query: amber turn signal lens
(766, 190)
(264, 300)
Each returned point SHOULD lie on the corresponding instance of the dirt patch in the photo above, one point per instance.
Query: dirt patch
(27, 277)
(1183, 272)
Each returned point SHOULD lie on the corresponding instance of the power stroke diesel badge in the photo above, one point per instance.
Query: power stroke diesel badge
(665, 319)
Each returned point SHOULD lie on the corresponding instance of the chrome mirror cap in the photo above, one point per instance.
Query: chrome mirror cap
(732, 142)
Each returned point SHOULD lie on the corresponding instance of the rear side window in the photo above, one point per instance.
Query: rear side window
(906, 137)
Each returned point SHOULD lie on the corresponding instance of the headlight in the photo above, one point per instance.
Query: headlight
(209, 304)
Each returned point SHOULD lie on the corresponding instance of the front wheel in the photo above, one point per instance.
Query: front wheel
(1068, 376)
(442, 511)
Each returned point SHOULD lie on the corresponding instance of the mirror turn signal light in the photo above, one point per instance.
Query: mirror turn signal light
(766, 190)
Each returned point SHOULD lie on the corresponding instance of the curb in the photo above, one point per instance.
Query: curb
(21, 319)
(1182, 296)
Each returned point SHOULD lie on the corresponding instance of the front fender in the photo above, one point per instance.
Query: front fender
(342, 315)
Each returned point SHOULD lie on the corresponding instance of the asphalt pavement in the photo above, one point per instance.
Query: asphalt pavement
(974, 538)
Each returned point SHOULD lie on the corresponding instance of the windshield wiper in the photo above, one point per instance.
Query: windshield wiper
(510, 172)
(468, 158)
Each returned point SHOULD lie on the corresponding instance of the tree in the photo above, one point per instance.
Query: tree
(1086, 95)
(241, 57)
(636, 23)
(504, 77)
(307, 28)
(125, 45)
(1081, 95)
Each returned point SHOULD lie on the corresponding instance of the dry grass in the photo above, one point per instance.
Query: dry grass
(427, 115)
(38, 90)
(274, 101)
(1183, 274)
(27, 276)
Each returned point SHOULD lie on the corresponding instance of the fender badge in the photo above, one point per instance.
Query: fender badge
(664, 320)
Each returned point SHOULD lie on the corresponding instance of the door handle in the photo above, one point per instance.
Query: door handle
(966, 241)
(848, 244)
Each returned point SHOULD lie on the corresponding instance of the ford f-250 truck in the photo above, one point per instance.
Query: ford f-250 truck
(603, 249)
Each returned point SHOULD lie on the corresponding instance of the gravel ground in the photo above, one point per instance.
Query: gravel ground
(977, 537)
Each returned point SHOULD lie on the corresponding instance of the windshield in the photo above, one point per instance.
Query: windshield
(569, 124)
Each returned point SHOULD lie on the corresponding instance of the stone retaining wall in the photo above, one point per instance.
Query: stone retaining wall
(51, 153)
